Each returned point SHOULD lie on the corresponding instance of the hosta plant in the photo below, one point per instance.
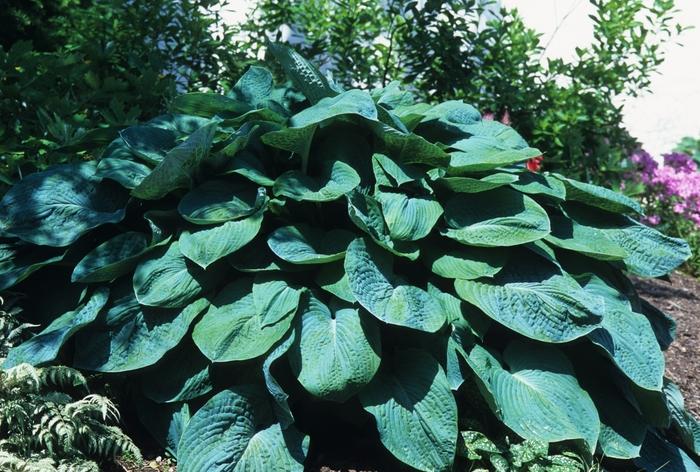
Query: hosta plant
(251, 271)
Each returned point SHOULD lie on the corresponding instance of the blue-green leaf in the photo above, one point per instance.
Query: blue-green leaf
(302, 244)
(337, 351)
(537, 394)
(44, 347)
(232, 433)
(132, 336)
(179, 166)
(169, 279)
(535, 299)
(415, 411)
(57, 206)
(386, 295)
(511, 219)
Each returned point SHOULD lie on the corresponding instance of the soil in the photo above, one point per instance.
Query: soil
(680, 298)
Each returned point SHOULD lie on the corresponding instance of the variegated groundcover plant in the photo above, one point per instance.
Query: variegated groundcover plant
(253, 251)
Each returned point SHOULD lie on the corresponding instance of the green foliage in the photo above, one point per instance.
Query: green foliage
(469, 51)
(46, 425)
(101, 66)
(690, 146)
(395, 259)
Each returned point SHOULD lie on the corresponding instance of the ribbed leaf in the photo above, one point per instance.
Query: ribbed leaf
(537, 394)
(337, 351)
(649, 252)
(111, 259)
(132, 336)
(45, 346)
(178, 167)
(626, 336)
(302, 244)
(167, 279)
(233, 329)
(386, 295)
(150, 143)
(599, 197)
(206, 246)
(415, 411)
(511, 219)
(127, 173)
(232, 433)
(219, 201)
(57, 206)
(336, 179)
(183, 374)
(536, 300)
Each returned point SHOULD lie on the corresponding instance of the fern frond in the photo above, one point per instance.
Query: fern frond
(94, 404)
(62, 377)
(24, 377)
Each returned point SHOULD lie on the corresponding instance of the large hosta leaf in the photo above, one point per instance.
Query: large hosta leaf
(415, 411)
(306, 77)
(168, 279)
(409, 218)
(660, 455)
(626, 336)
(386, 295)
(111, 259)
(333, 279)
(535, 393)
(302, 244)
(206, 246)
(536, 184)
(281, 405)
(219, 201)
(475, 185)
(233, 432)
(463, 262)
(179, 166)
(481, 153)
(337, 351)
(57, 206)
(44, 347)
(132, 336)
(238, 328)
(183, 374)
(593, 242)
(536, 300)
(683, 422)
(150, 143)
(335, 180)
(599, 197)
(19, 260)
(650, 253)
(367, 215)
(510, 219)
(123, 171)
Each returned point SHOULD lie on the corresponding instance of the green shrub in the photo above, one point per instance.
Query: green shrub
(469, 50)
(105, 64)
(240, 266)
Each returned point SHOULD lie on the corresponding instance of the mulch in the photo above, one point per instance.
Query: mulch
(680, 298)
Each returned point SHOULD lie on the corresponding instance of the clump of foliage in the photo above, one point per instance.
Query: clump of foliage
(47, 425)
(101, 66)
(691, 146)
(241, 264)
(472, 51)
(670, 194)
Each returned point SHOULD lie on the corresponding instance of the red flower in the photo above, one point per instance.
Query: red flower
(535, 164)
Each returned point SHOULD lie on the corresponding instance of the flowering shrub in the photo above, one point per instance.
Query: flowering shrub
(671, 196)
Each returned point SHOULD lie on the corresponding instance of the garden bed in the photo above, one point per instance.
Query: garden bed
(680, 298)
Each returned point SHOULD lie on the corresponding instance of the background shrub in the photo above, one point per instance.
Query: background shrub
(259, 271)
(465, 50)
(84, 64)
